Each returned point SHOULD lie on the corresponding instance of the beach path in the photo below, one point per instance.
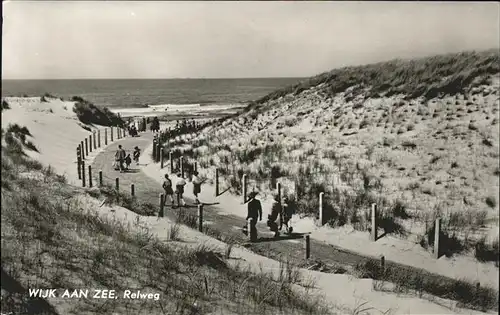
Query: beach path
(227, 226)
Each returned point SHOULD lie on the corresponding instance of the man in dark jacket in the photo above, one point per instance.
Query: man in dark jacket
(254, 212)
(276, 212)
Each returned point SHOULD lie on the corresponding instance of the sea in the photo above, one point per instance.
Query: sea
(137, 93)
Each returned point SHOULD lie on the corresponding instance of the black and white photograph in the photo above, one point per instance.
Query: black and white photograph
(250, 157)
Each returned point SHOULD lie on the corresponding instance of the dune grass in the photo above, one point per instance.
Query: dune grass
(88, 113)
(414, 78)
(51, 238)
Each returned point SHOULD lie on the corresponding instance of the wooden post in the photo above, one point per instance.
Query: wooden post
(161, 158)
(162, 204)
(95, 140)
(182, 166)
(83, 173)
(90, 143)
(118, 133)
(111, 135)
(437, 233)
(321, 220)
(278, 188)
(79, 162)
(132, 190)
(171, 162)
(82, 151)
(216, 182)
(307, 245)
(382, 263)
(86, 147)
(117, 183)
(100, 178)
(200, 218)
(154, 149)
(105, 136)
(373, 234)
(90, 176)
(99, 138)
(158, 151)
(244, 179)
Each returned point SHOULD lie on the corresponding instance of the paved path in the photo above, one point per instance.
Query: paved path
(285, 247)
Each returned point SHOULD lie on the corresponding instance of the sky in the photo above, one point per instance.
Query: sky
(190, 39)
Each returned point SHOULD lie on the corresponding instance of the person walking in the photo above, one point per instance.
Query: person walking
(128, 161)
(137, 154)
(167, 187)
(196, 186)
(254, 212)
(179, 190)
(120, 158)
(287, 213)
(275, 213)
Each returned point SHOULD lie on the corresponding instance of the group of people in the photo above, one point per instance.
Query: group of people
(280, 209)
(132, 130)
(123, 160)
(179, 189)
(182, 127)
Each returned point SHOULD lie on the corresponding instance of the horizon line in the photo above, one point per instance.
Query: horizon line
(186, 78)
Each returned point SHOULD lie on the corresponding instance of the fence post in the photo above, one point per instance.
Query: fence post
(90, 176)
(278, 188)
(216, 182)
(437, 233)
(373, 234)
(100, 178)
(86, 146)
(105, 136)
(83, 173)
(90, 142)
(171, 162)
(321, 207)
(382, 263)
(162, 203)
(117, 183)
(95, 140)
(182, 166)
(307, 245)
(82, 151)
(162, 159)
(111, 135)
(244, 188)
(78, 162)
(158, 151)
(132, 190)
(99, 138)
(154, 149)
(200, 218)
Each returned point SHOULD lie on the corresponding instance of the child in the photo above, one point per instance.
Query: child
(128, 161)
(196, 186)
(179, 190)
(169, 192)
(137, 154)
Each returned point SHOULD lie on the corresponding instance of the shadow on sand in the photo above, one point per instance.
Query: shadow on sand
(282, 237)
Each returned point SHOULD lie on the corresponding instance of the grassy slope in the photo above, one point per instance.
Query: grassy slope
(418, 137)
(88, 113)
(52, 238)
